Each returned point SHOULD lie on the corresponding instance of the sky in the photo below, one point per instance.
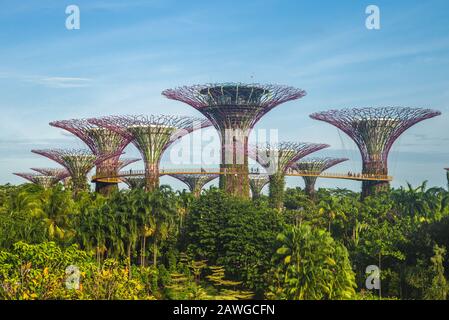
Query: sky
(126, 52)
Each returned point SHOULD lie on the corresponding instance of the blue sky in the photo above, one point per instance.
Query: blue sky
(127, 52)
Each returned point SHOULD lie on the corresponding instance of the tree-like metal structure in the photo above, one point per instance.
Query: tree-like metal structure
(374, 130)
(78, 162)
(39, 179)
(234, 109)
(134, 182)
(256, 183)
(122, 163)
(315, 166)
(195, 181)
(58, 173)
(277, 159)
(101, 141)
(152, 135)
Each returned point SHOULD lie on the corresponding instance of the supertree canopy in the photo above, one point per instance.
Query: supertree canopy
(315, 166)
(122, 163)
(374, 130)
(152, 135)
(39, 179)
(257, 182)
(277, 159)
(59, 173)
(77, 162)
(234, 109)
(195, 181)
(101, 141)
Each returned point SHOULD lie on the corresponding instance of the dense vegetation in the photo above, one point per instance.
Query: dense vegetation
(171, 245)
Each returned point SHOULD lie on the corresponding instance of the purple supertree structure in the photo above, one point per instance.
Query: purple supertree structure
(277, 159)
(152, 135)
(315, 166)
(256, 183)
(77, 162)
(134, 181)
(234, 109)
(122, 163)
(59, 173)
(195, 181)
(39, 179)
(101, 141)
(374, 130)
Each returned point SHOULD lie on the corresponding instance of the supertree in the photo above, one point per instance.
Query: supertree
(77, 162)
(152, 135)
(234, 109)
(122, 163)
(256, 183)
(39, 179)
(59, 173)
(134, 181)
(315, 166)
(374, 130)
(277, 159)
(195, 181)
(101, 141)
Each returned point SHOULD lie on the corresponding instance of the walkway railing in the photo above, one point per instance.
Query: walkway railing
(214, 171)
(348, 176)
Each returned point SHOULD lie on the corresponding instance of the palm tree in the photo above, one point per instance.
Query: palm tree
(163, 212)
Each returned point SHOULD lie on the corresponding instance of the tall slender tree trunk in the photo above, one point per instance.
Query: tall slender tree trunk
(155, 253)
(129, 260)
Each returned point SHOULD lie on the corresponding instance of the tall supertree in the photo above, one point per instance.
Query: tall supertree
(39, 179)
(195, 181)
(101, 141)
(374, 130)
(234, 109)
(277, 159)
(152, 135)
(77, 162)
(315, 166)
(256, 183)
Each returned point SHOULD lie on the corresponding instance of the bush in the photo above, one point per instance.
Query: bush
(311, 265)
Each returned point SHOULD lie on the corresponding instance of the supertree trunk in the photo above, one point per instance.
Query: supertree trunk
(151, 176)
(277, 190)
(235, 173)
(374, 168)
(106, 169)
(310, 187)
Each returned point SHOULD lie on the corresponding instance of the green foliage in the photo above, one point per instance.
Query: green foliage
(167, 245)
(233, 233)
(39, 272)
(311, 265)
(439, 288)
